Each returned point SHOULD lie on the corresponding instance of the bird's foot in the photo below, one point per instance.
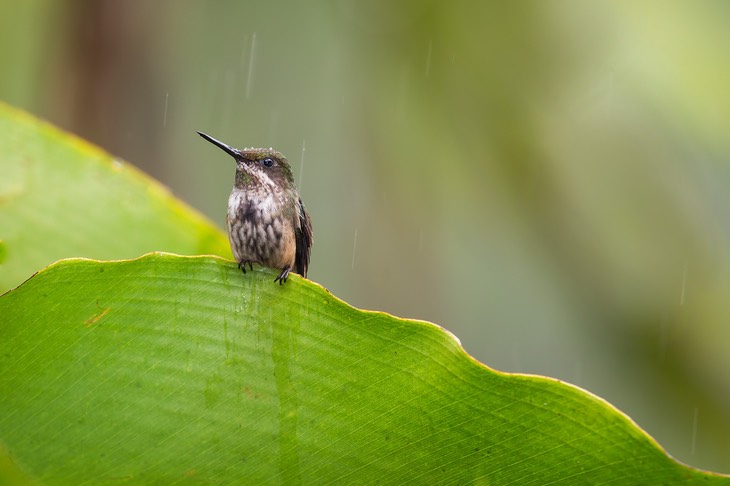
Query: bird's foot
(242, 265)
(283, 275)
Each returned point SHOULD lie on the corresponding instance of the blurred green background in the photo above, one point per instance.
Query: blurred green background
(547, 180)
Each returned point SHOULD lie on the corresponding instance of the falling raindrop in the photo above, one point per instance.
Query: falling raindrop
(354, 247)
(694, 431)
(164, 118)
(428, 58)
(301, 164)
(249, 77)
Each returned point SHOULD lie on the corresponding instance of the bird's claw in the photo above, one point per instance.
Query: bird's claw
(242, 265)
(283, 275)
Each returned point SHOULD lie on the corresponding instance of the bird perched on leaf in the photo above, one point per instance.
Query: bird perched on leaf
(267, 222)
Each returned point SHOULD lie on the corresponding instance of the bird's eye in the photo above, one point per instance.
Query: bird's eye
(267, 162)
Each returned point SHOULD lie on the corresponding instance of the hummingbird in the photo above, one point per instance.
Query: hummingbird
(267, 222)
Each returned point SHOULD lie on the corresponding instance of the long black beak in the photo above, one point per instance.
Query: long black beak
(229, 150)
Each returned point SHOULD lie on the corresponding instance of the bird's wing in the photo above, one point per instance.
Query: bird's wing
(303, 233)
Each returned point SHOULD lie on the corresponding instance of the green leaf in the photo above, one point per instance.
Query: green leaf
(182, 369)
(61, 197)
